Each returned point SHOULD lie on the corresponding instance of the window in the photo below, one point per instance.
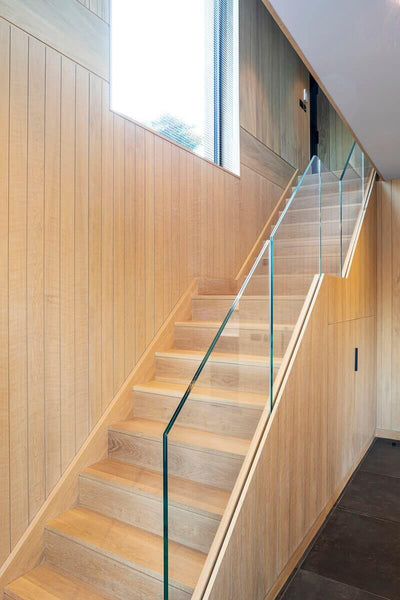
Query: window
(174, 68)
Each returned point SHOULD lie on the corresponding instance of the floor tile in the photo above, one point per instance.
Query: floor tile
(383, 458)
(360, 551)
(373, 495)
(311, 586)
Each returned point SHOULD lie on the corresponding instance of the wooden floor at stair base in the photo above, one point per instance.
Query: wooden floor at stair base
(125, 561)
(138, 501)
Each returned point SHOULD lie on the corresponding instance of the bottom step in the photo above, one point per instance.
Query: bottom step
(122, 560)
(49, 583)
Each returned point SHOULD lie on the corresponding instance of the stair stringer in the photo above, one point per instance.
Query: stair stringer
(286, 488)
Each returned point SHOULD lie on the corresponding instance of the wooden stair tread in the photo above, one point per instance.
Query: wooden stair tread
(49, 583)
(129, 544)
(185, 436)
(206, 394)
(222, 357)
(235, 325)
(184, 492)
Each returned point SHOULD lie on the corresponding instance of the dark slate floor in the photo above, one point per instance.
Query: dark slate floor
(356, 553)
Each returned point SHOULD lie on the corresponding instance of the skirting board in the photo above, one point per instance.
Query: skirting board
(389, 434)
(283, 577)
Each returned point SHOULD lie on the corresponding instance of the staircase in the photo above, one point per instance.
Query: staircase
(110, 546)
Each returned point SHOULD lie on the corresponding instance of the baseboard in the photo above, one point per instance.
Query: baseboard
(293, 561)
(389, 434)
(28, 553)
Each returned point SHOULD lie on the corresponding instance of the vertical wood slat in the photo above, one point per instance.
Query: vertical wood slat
(140, 299)
(81, 256)
(107, 264)
(17, 285)
(159, 239)
(395, 292)
(4, 287)
(95, 248)
(35, 288)
(175, 241)
(167, 258)
(149, 235)
(130, 219)
(52, 268)
(119, 252)
(385, 304)
(67, 263)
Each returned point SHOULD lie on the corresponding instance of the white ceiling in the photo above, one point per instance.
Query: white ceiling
(353, 46)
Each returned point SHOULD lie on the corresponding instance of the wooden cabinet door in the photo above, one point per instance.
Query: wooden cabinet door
(365, 383)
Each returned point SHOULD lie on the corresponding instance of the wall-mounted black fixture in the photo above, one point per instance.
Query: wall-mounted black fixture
(303, 105)
(356, 359)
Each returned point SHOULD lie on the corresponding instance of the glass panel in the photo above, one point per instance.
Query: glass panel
(351, 196)
(235, 346)
(330, 222)
(226, 369)
(294, 255)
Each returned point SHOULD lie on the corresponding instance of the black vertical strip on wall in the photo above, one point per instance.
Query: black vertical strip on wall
(356, 359)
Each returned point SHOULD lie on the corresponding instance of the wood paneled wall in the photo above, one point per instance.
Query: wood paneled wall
(388, 272)
(66, 26)
(273, 78)
(101, 8)
(103, 225)
(324, 418)
(335, 140)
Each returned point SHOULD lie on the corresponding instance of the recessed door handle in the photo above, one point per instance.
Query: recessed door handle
(356, 359)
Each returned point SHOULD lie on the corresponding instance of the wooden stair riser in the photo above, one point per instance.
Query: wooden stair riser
(299, 215)
(130, 506)
(301, 264)
(210, 416)
(328, 229)
(233, 339)
(211, 468)
(109, 573)
(249, 310)
(327, 199)
(227, 375)
(283, 285)
(327, 187)
(314, 177)
(309, 247)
